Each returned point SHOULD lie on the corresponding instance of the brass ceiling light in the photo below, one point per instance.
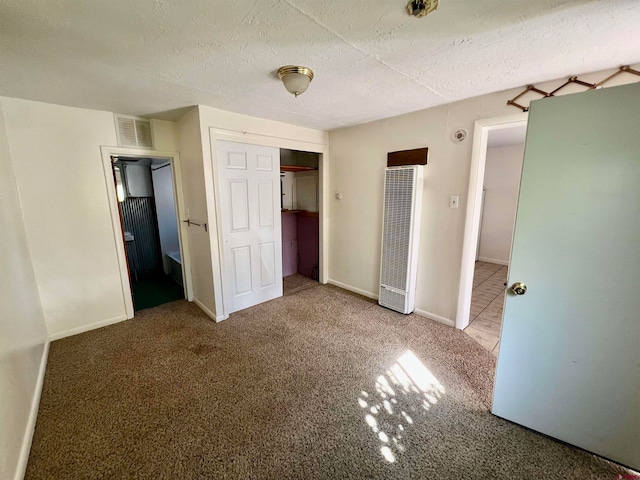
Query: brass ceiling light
(295, 78)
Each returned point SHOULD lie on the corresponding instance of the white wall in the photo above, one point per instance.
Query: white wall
(501, 182)
(193, 184)
(166, 209)
(358, 158)
(307, 190)
(233, 127)
(63, 190)
(56, 154)
(22, 328)
(165, 136)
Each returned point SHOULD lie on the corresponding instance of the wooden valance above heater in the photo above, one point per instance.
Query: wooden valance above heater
(417, 156)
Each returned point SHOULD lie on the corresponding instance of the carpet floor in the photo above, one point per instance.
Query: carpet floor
(296, 282)
(317, 384)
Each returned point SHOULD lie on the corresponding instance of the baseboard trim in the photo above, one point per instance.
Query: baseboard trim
(493, 260)
(417, 311)
(87, 328)
(434, 317)
(352, 289)
(210, 314)
(25, 449)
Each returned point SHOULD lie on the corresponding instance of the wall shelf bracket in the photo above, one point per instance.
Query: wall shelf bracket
(574, 79)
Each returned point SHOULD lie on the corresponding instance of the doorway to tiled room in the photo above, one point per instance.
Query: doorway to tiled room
(497, 185)
(487, 300)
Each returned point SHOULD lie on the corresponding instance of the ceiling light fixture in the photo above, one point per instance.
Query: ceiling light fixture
(296, 79)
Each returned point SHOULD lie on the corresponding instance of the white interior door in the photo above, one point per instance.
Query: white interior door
(569, 363)
(249, 180)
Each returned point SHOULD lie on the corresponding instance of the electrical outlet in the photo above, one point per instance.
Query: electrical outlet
(453, 201)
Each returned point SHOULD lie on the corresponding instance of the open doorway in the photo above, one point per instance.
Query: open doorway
(299, 183)
(494, 188)
(145, 190)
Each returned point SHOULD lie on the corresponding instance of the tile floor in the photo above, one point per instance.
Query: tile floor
(486, 305)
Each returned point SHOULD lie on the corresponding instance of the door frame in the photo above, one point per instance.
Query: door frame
(474, 202)
(215, 212)
(118, 232)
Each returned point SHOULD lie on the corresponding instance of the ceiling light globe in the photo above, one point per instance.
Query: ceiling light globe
(295, 79)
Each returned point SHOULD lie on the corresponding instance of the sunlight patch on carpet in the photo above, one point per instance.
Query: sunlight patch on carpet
(403, 394)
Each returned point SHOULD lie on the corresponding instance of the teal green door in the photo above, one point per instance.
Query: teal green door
(569, 363)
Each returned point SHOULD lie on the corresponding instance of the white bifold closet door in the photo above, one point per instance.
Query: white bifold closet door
(249, 182)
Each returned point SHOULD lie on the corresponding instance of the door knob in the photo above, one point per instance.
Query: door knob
(519, 288)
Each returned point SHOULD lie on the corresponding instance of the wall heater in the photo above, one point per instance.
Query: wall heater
(400, 235)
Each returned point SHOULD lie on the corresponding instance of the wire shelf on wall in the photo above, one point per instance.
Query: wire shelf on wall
(571, 80)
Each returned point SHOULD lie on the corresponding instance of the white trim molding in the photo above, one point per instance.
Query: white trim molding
(33, 415)
(174, 159)
(87, 328)
(494, 260)
(436, 318)
(210, 314)
(417, 311)
(359, 291)
(474, 203)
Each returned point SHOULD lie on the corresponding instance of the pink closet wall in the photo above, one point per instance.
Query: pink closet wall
(300, 244)
(289, 244)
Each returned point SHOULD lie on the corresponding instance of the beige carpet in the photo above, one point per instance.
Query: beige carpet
(318, 384)
(296, 282)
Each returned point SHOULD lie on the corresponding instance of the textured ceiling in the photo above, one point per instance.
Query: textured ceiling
(371, 60)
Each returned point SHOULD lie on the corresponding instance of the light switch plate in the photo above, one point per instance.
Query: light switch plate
(453, 201)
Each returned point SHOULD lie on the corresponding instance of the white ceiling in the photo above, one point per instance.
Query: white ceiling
(371, 60)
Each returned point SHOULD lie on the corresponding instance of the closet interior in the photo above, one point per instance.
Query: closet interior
(299, 184)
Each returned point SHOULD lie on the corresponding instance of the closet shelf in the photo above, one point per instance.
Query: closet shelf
(295, 168)
(305, 213)
(302, 213)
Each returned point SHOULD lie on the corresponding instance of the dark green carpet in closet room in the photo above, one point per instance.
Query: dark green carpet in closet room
(153, 291)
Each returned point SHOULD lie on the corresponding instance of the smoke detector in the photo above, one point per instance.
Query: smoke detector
(459, 135)
(421, 8)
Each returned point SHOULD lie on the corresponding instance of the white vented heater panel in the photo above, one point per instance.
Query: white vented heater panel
(133, 131)
(400, 234)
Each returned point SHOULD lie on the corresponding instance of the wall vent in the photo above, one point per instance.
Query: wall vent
(133, 131)
(400, 234)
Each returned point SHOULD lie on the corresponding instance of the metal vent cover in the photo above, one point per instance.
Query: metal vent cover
(398, 202)
(392, 299)
(400, 227)
(133, 131)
